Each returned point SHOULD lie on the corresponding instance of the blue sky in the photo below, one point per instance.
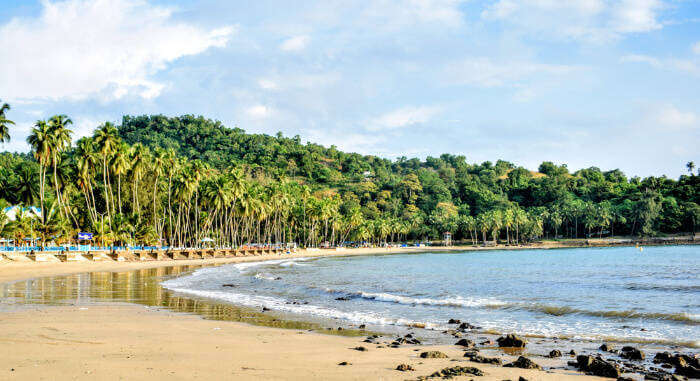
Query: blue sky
(613, 84)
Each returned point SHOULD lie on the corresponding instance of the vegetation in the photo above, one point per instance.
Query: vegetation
(178, 180)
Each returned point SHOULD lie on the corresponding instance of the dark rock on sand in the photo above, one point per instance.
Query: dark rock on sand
(466, 326)
(405, 368)
(688, 371)
(631, 353)
(457, 371)
(361, 349)
(465, 343)
(555, 353)
(362, 326)
(265, 309)
(342, 298)
(597, 366)
(454, 321)
(475, 357)
(228, 285)
(344, 363)
(572, 352)
(523, 363)
(433, 355)
(521, 378)
(625, 379)
(606, 347)
(661, 376)
(511, 341)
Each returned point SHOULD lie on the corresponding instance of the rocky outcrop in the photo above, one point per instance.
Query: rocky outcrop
(511, 341)
(597, 366)
(457, 371)
(476, 357)
(523, 363)
(433, 355)
(361, 349)
(405, 368)
(465, 343)
(631, 353)
(554, 353)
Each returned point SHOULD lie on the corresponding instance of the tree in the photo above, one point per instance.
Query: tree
(59, 140)
(40, 141)
(691, 167)
(106, 140)
(4, 123)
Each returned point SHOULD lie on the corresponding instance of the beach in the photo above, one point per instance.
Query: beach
(110, 340)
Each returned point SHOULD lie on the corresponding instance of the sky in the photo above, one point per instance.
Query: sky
(605, 83)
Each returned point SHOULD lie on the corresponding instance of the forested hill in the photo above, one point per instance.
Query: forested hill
(178, 180)
(586, 200)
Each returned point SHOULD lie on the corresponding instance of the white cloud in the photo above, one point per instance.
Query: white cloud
(670, 116)
(696, 48)
(259, 111)
(483, 72)
(267, 84)
(586, 20)
(111, 48)
(683, 65)
(403, 117)
(294, 44)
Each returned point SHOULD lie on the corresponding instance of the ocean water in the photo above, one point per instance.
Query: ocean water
(619, 294)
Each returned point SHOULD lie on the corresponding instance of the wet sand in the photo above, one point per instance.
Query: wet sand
(113, 340)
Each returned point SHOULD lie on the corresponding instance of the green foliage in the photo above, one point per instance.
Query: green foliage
(180, 179)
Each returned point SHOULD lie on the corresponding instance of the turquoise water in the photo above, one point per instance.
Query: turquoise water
(593, 293)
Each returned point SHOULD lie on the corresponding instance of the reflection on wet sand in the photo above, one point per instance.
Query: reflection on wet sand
(140, 287)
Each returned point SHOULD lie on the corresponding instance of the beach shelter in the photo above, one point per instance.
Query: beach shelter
(207, 240)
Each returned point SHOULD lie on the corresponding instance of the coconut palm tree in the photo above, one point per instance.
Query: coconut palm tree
(86, 164)
(106, 139)
(140, 157)
(60, 140)
(41, 142)
(4, 123)
(121, 163)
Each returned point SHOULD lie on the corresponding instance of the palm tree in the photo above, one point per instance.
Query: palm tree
(86, 163)
(690, 165)
(60, 141)
(106, 139)
(140, 157)
(121, 164)
(40, 141)
(4, 123)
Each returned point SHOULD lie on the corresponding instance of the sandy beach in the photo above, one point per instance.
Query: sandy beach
(124, 341)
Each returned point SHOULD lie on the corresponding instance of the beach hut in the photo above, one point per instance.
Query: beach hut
(447, 238)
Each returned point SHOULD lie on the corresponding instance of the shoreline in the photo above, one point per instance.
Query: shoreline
(79, 326)
(11, 271)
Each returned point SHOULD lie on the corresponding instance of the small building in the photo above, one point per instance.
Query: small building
(447, 238)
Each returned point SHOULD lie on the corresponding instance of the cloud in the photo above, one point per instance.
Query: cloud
(696, 48)
(403, 117)
(483, 72)
(259, 111)
(584, 20)
(294, 44)
(670, 116)
(673, 64)
(110, 48)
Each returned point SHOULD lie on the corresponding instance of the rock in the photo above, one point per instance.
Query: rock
(466, 326)
(521, 378)
(228, 285)
(457, 371)
(625, 379)
(362, 326)
(572, 352)
(344, 363)
(606, 347)
(278, 278)
(405, 368)
(454, 321)
(511, 341)
(465, 343)
(597, 366)
(342, 298)
(361, 349)
(340, 328)
(554, 353)
(688, 371)
(632, 353)
(265, 309)
(475, 357)
(433, 355)
(523, 363)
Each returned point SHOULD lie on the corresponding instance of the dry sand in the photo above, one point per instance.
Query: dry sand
(117, 341)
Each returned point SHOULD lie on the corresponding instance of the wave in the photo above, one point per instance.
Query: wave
(263, 276)
(682, 318)
(258, 301)
(457, 301)
(655, 287)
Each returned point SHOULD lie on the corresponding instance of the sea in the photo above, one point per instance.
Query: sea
(624, 294)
